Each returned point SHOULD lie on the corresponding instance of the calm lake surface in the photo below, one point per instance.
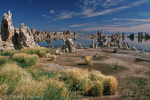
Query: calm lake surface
(86, 42)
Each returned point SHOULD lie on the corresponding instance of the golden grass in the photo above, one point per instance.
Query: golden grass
(88, 60)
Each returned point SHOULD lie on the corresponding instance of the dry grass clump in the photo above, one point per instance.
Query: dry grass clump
(28, 86)
(88, 60)
(96, 89)
(10, 74)
(42, 53)
(3, 89)
(35, 50)
(53, 58)
(25, 60)
(77, 79)
(92, 83)
(17, 81)
(110, 85)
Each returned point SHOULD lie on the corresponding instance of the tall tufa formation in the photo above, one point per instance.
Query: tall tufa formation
(7, 28)
(25, 37)
(14, 38)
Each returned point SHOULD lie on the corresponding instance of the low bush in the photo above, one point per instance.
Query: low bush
(36, 50)
(38, 73)
(25, 60)
(53, 57)
(10, 74)
(6, 53)
(77, 79)
(4, 60)
(96, 89)
(92, 83)
(15, 80)
(110, 85)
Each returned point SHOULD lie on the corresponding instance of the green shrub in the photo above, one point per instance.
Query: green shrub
(6, 53)
(96, 89)
(4, 60)
(25, 60)
(38, 72)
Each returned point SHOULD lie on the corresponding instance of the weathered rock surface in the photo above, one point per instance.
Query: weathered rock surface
(25, 38)
(68, 46)
(7, 28)
(14, 38)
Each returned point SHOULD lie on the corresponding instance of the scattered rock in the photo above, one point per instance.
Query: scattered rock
(115, 50)
(48, 55)
(134, 48)
(58, 52)
(79, 46)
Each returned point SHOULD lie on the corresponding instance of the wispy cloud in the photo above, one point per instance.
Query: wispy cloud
(64, 14)
(136, 28)
(92, 13)
(136, 20)
(80, 25)
(46, 16)
(89, 8)
(52, 11)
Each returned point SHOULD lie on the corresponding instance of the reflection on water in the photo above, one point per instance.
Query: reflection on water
(86, 41)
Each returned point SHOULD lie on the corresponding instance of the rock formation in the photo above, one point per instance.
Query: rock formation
(131, 36)
(126, 45)
(25, 38)
(123, 36)
(7, 28)
(68, 46)
(14, 38)
(114, 40)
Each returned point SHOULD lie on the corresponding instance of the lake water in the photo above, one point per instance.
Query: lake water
(86, 42)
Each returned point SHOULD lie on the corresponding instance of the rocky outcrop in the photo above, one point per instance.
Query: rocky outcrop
(114, 40)
(68, 46)
(6, 46)
(123, 36)
(15, 38)
(7, 28)
(25, 38)
(126, 45)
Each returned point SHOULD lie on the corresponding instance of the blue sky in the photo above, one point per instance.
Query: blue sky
(84, 16)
